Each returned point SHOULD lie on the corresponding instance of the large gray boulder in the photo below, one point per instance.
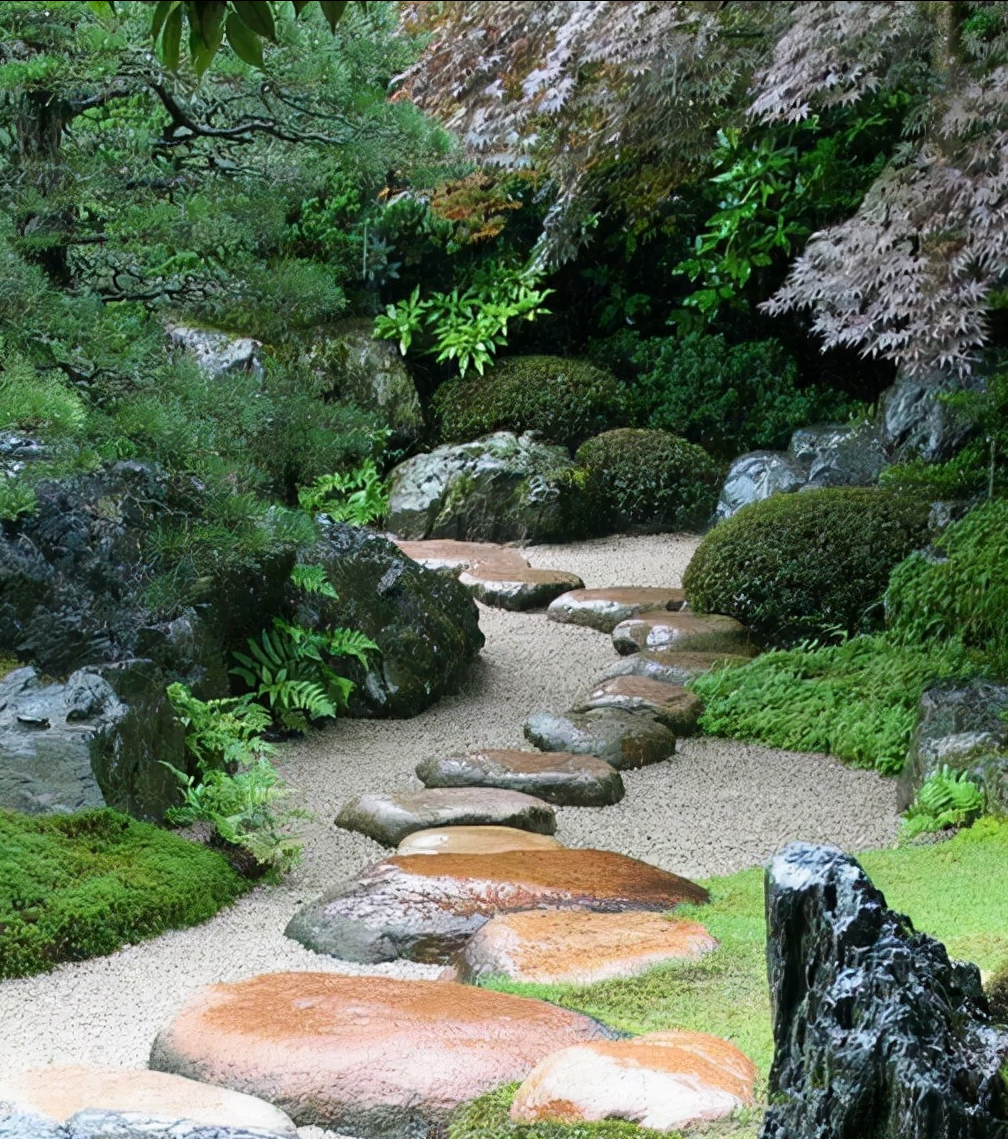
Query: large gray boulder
(875, 1031)
(960, 725)
(915, 421)
(758, 475)
(839, 454)
(218, 353)
(502, 488)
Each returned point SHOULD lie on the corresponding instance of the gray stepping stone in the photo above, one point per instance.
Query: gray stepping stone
(670, 704)
(388, 819)
(681, 632)
(604, 609)
(557, 777)
(517, 589)
(670, 668)
(623, 739)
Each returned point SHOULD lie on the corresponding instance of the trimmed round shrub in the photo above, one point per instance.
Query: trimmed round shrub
(563, 401)
(798, 565)
(637, 478)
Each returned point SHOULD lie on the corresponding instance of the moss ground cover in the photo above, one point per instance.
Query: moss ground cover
(956, 891)
(77, 886)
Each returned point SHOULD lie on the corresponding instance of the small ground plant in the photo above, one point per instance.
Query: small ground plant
(948, 799)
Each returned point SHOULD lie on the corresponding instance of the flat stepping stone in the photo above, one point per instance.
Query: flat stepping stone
(365, 1055)
(425, 908)
(671, 668)
(662, 1080)
(604, 609)
(623, 739)
(57, 1095)
(474, 840)
(388, 819)
(557, 777)
(574, 947)
(681, 632)
(670, 704)
(445, 555)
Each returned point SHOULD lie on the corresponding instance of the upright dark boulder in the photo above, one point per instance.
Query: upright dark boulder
(877, 1034)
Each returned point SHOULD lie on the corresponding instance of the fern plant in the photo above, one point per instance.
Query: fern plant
(948, 798)
(360, 497)
(313, 579)
(222, 734)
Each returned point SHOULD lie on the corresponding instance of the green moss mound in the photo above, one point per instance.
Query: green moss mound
(78, 886)
(563, 401)
(799, 565)
(644, 479)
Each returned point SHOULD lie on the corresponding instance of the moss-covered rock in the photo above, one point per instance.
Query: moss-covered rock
(562, 401)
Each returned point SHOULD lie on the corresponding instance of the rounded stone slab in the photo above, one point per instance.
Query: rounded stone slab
(574, 947)
(425, 908)
(681, 632)
(604, 609)
(557, 777)
(388, 819)
(670, 704)
(662, 1080)
(623, 739)
(474, 840)
(371, 1056)
(58, 1094)
(671, 668)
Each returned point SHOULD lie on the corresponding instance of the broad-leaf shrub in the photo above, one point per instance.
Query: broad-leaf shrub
(801, 565)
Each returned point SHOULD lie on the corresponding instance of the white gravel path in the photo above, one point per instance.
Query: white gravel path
(717, 807)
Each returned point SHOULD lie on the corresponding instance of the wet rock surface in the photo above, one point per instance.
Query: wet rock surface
(623, 739)
(925, 1061)
(370, 1056)
(681, 632)
(670, 704)
(556, 777)
(839, 454)
(758, 475)
(915, 422)
(670, 668)
(424, 908)
(604, 609)
(474, 840)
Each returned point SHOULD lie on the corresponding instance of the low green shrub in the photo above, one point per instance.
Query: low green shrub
(856, 700)
(728, 398)
(800, 565)
(636, 478)
(564, 401)
(37, 401)
(947, 799)
(77, 886)
(959, 590)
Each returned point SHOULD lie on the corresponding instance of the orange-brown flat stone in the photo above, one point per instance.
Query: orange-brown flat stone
(449, 556)
(474, 840)
(425, 908)
(556, 777)
(670, 704)
(576, 947)
(681, 632)
(365, 1055)
(604, 609)
(663, 1080)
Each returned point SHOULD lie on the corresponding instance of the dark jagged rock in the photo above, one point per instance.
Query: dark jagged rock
(915, 422)
(839, 454)
(758, 475)
(876, 1032)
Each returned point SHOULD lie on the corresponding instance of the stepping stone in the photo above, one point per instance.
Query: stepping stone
(670, 704)
(445, 555)
(474, 840)
(572, 947)
(671, 668)
(681, 632)
(57, 1095)
(364, 1055)
(425, 908)
(604, 609)
(558, 777)
(388, 819)
(662, 1080)
(623, 739)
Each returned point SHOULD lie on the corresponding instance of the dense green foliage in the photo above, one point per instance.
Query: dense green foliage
(563, 401)
(76, 886)
(807, 564)
(637, 478)
(856, 700)
(946, 799)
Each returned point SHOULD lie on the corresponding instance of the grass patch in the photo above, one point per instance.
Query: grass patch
(7, 664)
(956, 891)
(78, 886)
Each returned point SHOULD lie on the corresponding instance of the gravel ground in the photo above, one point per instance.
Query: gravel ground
(717, 807)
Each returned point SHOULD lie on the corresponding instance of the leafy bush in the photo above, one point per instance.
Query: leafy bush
(35, 401)
(856, 700)
(635, 478)
(803, 564)
(946, 799)
(76, 886)
(361, 497)
(221, 734)
(564, 401)
(961, 590)
(727, 398)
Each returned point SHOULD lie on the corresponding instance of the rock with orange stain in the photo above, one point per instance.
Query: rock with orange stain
(425, 908)
(474, 840)
(670, 704)
(604, 609)
(370, 1056)
(681, 632)
(663, 1080)
(574, 947)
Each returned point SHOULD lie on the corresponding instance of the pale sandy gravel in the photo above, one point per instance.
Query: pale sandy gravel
(718, 806)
